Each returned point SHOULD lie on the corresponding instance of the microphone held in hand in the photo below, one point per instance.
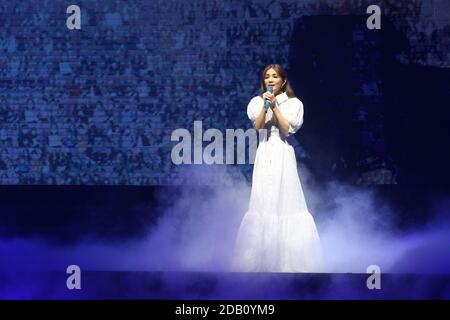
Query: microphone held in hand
(267, 102)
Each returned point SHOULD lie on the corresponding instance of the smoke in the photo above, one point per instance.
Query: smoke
(196, 233)
(358, 229)
(354, 229)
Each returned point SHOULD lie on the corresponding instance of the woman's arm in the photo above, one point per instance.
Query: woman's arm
(282, 121)
(260, 119)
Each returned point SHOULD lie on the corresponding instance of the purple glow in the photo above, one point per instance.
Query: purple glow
(196, 234)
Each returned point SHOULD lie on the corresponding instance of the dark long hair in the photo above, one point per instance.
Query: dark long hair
(280, 70)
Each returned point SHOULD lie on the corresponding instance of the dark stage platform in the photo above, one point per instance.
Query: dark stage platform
(222, 286)
(42, 227)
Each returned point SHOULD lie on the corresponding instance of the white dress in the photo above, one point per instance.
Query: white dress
(277, 233)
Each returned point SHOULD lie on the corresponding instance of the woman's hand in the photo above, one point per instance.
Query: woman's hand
(269, 96)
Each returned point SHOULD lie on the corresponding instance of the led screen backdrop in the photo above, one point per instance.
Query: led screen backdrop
(98, 104)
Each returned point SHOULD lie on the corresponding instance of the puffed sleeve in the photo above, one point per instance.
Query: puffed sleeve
(254, 108)
(293, 112)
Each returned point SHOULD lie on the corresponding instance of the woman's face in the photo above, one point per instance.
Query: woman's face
(272, 79)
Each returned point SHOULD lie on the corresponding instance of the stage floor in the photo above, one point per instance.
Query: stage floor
(221, 286)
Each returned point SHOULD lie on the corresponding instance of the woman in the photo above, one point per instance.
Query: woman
(277, 234)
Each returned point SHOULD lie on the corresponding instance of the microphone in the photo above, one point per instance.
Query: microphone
(267, 102)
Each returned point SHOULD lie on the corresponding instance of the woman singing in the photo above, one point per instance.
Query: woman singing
(277, 233)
